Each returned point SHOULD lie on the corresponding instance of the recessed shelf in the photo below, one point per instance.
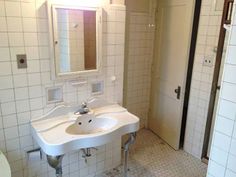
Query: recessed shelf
(54, 94)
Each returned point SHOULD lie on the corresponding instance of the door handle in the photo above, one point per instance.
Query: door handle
(177, 91)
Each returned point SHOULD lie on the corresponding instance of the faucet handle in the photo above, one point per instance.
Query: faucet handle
(83, 104)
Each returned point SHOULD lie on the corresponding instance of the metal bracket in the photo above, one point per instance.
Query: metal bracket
(34, 150)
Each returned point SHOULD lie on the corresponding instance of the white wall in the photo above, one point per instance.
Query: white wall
(138, 59)
(139, 5)
(223, 151)
(118, 1)
(23, 29)
(207, 40)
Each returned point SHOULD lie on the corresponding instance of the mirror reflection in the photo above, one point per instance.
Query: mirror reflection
(75, 40)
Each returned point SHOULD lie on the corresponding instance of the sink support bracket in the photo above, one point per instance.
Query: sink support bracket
(56, 163)
(131, 140)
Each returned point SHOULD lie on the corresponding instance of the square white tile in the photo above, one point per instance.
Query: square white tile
(227, 109)
(32, 53)
(4, 40)
(28, 9)
(231, 55)
(31, 39)
(16, 39)
(11, 133)
(2, 8)
(231, 163)
(233, 36)
(22, 106)
(36, 103)
(5, 68)
(5, 54)
(14, 24)
(34, 79)
(35, 91)
(9, 121)
(3, 27)
(20, 80)
(6, 95)
(24, 117)
(13, 9)
(229, 173)
(221, 141)
(21, 93)
(29, 25)
(8, 108)
(33, 66)
(6, 82)
(224, 125)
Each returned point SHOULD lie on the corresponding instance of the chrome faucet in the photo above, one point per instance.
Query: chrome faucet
(83, 110)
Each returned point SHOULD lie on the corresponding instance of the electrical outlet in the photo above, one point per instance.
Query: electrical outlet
(208, 61)
(21, 61)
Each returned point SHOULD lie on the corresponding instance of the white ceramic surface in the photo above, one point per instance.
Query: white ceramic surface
(61, 131)
(5, 170)
(89, 124)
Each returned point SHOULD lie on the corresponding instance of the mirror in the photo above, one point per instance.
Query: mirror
(75, 40)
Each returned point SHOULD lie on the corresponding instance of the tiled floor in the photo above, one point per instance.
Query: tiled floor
(151, 157)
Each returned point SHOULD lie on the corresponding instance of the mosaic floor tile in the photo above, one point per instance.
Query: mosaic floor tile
(151, 157)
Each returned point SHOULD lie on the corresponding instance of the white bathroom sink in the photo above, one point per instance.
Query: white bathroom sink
(61, 131)
(89, 124)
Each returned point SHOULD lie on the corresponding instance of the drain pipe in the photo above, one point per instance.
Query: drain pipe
(55, 162)
(131, 140)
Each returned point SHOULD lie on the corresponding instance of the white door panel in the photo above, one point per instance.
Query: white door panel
(174, 26)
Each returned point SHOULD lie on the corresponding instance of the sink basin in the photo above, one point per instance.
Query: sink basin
(61, 131)
(89, 124)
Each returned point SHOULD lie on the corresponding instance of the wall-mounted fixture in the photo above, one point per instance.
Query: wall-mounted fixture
(97, 88)
(79, 83)
(208, 61)
(21, 61)
(113, 78)
(34, 155)
(54, 94)
(76, 39)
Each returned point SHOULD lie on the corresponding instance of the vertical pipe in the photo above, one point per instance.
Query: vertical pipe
(126, 164)
(56, 163)
(131, 140)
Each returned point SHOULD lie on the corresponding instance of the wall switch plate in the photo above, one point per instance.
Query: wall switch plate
(21, 61)
(208, 61)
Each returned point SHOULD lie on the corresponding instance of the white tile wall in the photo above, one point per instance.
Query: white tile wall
(24, 29)
(207, 40)
(138, 62)
(223, 162)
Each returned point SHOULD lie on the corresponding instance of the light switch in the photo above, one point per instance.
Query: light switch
(208, 61)
(21, 61)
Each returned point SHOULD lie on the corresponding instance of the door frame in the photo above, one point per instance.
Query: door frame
(189, 69)
(226, 19)
(196, 20)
